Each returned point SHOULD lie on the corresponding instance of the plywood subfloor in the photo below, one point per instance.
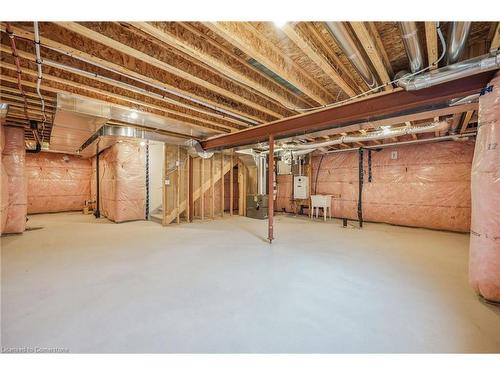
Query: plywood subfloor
(93, 286)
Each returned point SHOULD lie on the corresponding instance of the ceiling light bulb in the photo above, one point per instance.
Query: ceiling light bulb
(133, 115)
(143, 143)
(280, 24)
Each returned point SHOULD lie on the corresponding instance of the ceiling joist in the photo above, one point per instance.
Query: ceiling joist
(247, 39)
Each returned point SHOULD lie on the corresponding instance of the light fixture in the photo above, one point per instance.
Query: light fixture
(133, 115)
(386, 129)
(142, 143)
(280, 24)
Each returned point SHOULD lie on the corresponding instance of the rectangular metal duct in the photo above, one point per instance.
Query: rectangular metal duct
(77, 119)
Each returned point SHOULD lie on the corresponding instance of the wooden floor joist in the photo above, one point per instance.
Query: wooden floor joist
(250, 79)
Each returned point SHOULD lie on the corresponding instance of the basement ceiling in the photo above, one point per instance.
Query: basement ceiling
(215, 77)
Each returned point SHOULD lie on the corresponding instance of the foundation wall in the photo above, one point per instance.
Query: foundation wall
(57, 182)
(484, 267)
(14, 186)
(424, 185)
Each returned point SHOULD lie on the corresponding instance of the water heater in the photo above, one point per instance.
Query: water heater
(300, 187)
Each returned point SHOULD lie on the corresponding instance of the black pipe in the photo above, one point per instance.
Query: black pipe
(97, 212)
(369, 165)
(360, 189)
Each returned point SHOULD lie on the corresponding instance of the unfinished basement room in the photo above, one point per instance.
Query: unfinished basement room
(250, 187)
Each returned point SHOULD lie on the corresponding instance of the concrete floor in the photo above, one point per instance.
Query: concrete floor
(93, 286)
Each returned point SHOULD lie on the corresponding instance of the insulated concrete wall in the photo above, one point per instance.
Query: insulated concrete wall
(14, 187)
(421, 185)
(123, 181)
(57, 182)
(484, 268)
(426, 185)
(4, 184)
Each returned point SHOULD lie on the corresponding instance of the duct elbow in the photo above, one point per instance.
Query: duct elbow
(195, 150)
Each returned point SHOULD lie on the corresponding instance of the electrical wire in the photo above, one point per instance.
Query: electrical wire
(10, 33)
(395, 81)
(39, 78)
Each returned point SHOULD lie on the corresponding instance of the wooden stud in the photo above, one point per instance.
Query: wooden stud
(231, 184)
(495, 42)
(202, 193)
(164, 186)
(212, 187)
(178, 192)
(431, 41)
(466, 119)
(222, 184)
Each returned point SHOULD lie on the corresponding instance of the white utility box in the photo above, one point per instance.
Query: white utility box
(300, 187)
(284, 168)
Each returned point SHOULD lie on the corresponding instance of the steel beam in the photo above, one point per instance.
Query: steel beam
(369, 109)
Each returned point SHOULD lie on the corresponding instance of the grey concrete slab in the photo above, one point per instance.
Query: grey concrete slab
(217, 286)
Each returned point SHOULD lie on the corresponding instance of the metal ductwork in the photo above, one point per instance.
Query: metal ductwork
(4, 108)
(261, 163)
(451, 72)
(348, 46)
(110, 134)
(380, 134)
(409, 32)
(195, 149)
(457, 39)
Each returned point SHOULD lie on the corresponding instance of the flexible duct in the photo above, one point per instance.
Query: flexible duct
(195, 149)
(456, 137)
(451, 72)
(371, 136)
(348, 46)
(457, 38)
(409, 32)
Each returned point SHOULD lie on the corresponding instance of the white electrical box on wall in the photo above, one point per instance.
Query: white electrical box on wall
(300, 187)
(394, 155)
(284, 168)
